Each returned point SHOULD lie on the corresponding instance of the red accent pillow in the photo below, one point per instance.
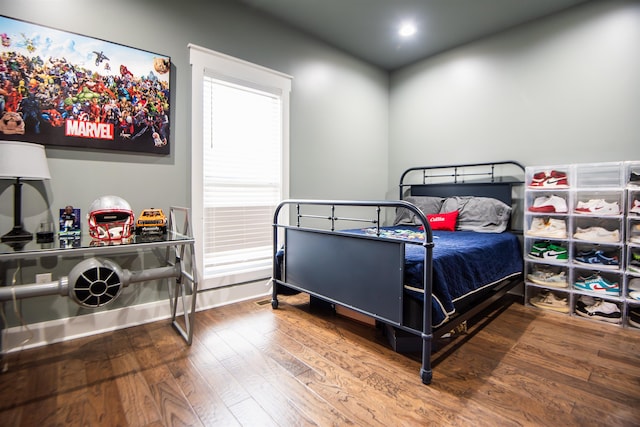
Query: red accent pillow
(443, 221)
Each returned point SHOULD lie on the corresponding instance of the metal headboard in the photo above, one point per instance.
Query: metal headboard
(464, 174)
(494, 179)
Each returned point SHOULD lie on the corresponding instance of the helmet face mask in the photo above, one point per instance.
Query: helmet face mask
(110, 218)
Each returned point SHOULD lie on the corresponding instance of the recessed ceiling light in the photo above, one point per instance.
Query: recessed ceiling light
(407, 29)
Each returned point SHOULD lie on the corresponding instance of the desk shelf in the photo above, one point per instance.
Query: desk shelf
(178, 266)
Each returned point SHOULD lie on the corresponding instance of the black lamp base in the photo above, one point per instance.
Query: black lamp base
(18, 234)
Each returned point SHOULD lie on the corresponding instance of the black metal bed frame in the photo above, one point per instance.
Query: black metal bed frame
(320, 261)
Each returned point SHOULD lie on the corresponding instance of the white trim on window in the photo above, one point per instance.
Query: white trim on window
(205, 62)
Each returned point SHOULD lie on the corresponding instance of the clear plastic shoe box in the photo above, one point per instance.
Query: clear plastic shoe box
(608, 190)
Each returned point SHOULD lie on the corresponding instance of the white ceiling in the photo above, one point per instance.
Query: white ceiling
(368, 29)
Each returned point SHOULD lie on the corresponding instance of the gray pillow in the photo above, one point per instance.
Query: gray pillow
(482, 214)
(427, 204)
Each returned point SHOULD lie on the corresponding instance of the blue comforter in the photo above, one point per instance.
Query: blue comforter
(464, 262)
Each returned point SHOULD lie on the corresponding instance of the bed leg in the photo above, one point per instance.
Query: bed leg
(274, 295)
(425, 370)
(426, 376)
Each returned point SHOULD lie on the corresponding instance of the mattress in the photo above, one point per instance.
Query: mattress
(464, 263)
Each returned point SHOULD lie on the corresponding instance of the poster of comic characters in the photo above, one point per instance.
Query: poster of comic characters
(61, 88)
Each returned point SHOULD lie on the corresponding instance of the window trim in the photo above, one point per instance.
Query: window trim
(205, 61)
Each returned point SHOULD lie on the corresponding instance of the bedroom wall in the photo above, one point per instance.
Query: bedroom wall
(564, 89)
(339, 118)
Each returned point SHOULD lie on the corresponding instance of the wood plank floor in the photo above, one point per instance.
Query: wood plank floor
(251, 365)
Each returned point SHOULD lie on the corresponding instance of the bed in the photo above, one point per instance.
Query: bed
(448, 240)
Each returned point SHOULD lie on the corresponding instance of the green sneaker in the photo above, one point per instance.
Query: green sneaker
(634, 262)
(548, 252)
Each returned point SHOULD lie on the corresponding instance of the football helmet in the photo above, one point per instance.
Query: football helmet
(110, 218)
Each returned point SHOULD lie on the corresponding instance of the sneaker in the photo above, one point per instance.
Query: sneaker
(596, 258)
(598, 284)
(549, 227)
(550, 204)
(634, 317)
(634, 179)
(634, 261)
(598, 207)
(537, 179)
(548, 277)
(597, 234)
(633, 289)
(549, 301)
(635, 208)
(551, 179)
(634, 233)
(585, 301)
(601, 310)
(548, 252)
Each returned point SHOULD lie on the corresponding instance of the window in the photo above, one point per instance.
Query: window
(239, 165)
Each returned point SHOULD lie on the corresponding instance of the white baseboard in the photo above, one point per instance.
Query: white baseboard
(40, 334)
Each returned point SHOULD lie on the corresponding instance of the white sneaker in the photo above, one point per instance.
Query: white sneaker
(635, 208)
(549, 204)
(601, 310)
(586, 300)
(634, 233)
(552, 227)
(598, 207)
(597, 234)
(550, 301)
(634, 288)
(548, 277)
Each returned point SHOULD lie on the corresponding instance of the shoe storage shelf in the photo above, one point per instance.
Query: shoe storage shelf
(632, 266)
(582, 240)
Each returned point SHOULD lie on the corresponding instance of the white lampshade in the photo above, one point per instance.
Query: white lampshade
(23, 160)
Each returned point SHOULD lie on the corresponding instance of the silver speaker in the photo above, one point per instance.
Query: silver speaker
(95, 282)
(92, 283)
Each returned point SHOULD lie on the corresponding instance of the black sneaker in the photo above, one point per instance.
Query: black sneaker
(634, 317)
(634, 178)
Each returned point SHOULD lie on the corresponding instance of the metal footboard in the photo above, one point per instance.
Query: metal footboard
(360, 272)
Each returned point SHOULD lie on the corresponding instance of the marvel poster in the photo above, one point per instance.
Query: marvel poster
(64, 89)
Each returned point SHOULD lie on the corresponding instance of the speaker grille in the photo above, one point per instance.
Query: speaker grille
(95, 282)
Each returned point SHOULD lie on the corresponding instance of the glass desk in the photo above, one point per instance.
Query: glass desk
(96, 280)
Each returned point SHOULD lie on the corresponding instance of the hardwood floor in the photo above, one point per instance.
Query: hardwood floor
(253, 366)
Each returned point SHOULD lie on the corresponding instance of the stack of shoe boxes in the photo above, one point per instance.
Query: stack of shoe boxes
(582, 240)
(632, 267)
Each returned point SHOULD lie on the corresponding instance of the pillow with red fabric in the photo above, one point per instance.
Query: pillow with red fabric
(443, 221)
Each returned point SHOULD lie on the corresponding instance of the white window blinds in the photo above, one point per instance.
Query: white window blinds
(242, 176)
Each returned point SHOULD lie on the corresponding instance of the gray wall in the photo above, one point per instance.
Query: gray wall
(339, 105)
(565, 89)
(339, 113)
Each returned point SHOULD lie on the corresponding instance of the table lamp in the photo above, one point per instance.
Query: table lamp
(21, 161)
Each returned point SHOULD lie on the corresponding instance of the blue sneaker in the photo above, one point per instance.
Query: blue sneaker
(597, 258)
(598, 284)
